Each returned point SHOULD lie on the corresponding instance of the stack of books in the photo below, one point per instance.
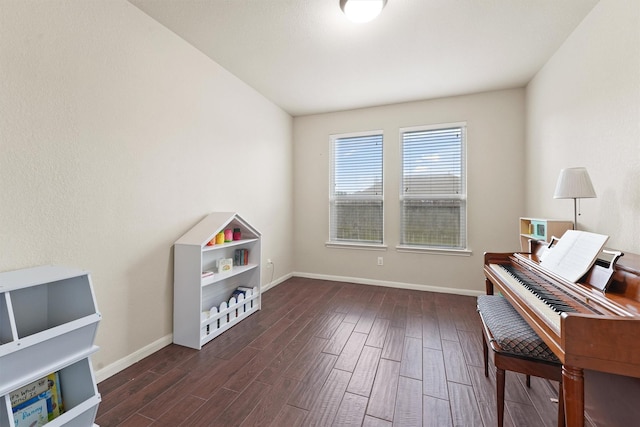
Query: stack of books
(37, 403)
(241, 257)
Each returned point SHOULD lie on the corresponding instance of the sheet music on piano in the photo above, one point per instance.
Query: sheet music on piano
(574, 254)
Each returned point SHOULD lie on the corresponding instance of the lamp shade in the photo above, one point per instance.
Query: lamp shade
(574, 183)
(362, 10)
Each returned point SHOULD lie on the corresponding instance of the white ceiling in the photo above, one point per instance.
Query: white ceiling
(306, 57)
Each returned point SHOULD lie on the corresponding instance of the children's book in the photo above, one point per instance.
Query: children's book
(56, 396)
(33, 412)
(28, 391)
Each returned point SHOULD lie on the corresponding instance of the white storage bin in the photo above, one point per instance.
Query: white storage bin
(48, 323)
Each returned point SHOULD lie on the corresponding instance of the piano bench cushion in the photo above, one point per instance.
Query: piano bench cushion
(511, 332)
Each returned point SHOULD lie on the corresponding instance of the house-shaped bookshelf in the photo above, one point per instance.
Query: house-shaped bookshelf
(209, 297)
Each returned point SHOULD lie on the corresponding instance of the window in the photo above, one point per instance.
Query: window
(356, 189)
(433, 195)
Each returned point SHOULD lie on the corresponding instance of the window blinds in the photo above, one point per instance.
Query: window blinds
(433, 196)
(356, 202)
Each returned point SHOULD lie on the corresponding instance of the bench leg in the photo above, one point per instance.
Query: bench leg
(500, 395)
(485, 352)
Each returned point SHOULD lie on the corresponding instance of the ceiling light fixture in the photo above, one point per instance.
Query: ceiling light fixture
(360, 11)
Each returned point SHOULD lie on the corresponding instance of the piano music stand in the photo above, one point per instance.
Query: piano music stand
(600, 276)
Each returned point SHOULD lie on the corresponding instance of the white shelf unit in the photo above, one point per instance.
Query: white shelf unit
(194, 323)
(541, 229)
(48, 323)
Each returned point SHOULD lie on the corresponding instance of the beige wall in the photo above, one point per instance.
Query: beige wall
(583, 109)
(116, 137)
(495, 157)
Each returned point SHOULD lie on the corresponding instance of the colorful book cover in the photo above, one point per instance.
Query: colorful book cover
(56, 396)
(28, 392)
(33, 412)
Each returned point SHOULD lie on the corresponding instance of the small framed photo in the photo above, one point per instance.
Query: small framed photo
(225, 265)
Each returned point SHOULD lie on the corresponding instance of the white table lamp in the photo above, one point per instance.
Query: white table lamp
(574, 183)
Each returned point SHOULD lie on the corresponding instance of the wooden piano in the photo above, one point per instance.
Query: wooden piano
(590, 330)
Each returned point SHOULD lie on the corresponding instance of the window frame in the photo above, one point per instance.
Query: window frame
(347, 244)
(463, 250)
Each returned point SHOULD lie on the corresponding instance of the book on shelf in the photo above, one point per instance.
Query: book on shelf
(28, 391)
(56, 396)
(34, 412)
(237, 293)
(244, 291)
(207, 273)
(241, 257)
(37, 401)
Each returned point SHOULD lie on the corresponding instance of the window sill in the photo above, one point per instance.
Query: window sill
(436, 251)
(365, 246)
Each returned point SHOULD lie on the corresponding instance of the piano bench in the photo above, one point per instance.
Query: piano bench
(516, 347)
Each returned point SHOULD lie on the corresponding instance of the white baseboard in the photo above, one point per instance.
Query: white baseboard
(276, 282)
(132, 358)
(400, 285)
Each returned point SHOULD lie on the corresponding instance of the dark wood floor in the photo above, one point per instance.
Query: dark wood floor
(330, 354)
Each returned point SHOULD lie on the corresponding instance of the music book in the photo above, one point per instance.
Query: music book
(574, 254)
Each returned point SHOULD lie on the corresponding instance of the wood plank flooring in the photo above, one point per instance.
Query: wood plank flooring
(323, 353)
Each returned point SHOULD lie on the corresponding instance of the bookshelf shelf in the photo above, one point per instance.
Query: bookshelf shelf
(218, 277)
(228, 244)
(48, 323)
(203, 307)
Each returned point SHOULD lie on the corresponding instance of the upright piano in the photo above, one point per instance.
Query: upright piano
(592, 325)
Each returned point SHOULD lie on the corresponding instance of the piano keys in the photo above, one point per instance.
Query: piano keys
(531, 291)
(584, 326)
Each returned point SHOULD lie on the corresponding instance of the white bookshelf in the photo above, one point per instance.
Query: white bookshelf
(542, 229)
(48, 323)
(194, 296)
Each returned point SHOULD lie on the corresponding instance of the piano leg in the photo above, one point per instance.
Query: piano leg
(573, 387)
(488, 284)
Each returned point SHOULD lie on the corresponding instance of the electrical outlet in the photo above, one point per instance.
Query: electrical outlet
(380, 260)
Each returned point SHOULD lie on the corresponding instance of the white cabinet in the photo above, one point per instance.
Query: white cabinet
(204, 305)
(48, 324)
